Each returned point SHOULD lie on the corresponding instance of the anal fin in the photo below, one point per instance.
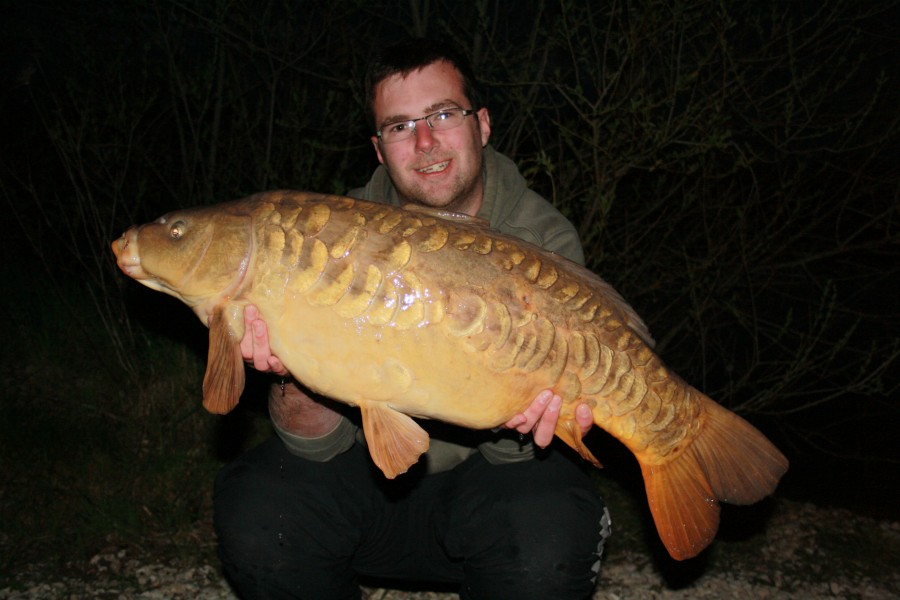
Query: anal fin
(395, 440)
(568, 431)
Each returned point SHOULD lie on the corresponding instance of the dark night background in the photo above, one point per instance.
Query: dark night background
(732, 169)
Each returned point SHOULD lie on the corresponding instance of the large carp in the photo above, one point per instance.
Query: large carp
(432, 314)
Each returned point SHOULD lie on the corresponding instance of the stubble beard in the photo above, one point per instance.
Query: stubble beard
(461, 196)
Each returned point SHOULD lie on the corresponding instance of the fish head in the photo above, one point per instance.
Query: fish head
(198, 255)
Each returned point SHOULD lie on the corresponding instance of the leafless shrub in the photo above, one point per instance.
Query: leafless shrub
(729, 166)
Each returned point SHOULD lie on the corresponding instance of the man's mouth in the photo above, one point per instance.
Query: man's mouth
(435, 168)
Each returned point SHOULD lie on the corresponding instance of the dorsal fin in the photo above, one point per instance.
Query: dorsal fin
(610, 294)
(447, 215)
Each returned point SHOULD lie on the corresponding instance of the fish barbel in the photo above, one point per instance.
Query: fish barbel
(418, 312)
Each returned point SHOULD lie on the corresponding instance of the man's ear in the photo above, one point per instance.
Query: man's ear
(377, 145)
(484, 125)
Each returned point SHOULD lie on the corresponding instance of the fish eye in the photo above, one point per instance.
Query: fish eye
(176, 230)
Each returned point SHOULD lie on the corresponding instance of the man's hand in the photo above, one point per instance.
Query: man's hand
(290, 407)
(541, 416)
(255, 344)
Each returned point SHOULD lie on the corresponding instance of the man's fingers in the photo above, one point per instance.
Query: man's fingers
(255, 348)
(525, 421)
(250, 314)
(543, 430)
(584, 418)
(277, 367)
(517, 423)
(261, 351)
(535, 410)
(542, 415)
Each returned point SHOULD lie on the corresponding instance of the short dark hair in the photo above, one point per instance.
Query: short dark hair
(402, 58)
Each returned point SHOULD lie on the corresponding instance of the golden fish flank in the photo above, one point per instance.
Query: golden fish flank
(432, 314)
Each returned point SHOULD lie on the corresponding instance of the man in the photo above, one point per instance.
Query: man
(305, 513)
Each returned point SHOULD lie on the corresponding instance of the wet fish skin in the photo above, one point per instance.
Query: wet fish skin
(424, 313)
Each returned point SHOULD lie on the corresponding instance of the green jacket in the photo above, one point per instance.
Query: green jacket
(513, 209)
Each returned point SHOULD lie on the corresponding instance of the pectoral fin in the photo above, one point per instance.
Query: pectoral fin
(395, 440)
(224, 379)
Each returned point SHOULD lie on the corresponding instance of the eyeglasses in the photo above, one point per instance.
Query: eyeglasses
(444, 119)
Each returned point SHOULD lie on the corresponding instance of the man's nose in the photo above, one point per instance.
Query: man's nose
(425, 140)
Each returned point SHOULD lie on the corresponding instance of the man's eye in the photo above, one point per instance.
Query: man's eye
(443, 116)
(398, 127)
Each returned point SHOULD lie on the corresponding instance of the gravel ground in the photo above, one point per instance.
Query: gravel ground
(804, 552)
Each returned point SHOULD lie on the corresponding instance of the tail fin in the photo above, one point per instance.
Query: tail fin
(729, 461)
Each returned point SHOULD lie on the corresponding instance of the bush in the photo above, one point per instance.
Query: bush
(730, 168)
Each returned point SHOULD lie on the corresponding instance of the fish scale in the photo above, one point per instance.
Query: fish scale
(419, 312)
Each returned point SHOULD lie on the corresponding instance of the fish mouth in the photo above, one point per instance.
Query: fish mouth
(438, 167)
(127, 256)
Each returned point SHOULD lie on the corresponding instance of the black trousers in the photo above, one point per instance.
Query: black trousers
(293, 528)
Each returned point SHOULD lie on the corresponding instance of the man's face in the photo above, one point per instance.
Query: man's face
(435, 168)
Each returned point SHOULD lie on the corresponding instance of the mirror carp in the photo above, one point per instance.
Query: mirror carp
(416, 312)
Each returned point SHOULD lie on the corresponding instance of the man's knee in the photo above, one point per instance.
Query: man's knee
(540, 541)
(280, 534)
(560, 535)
